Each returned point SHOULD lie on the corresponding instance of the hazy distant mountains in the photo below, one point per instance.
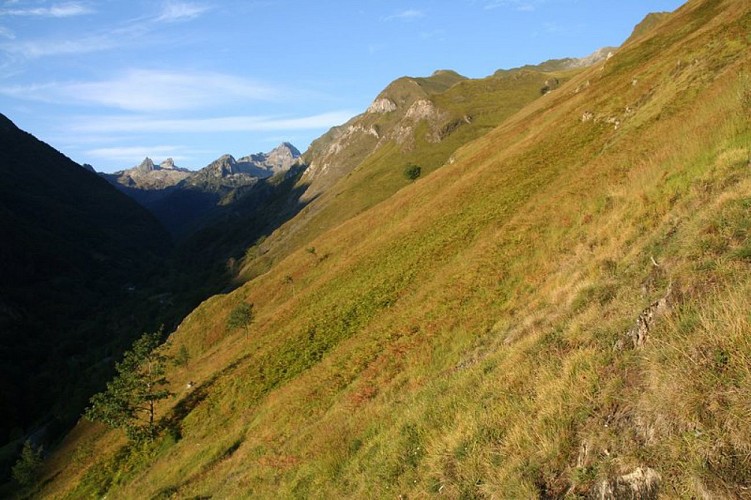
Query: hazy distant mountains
(148, 176)
(178, 196)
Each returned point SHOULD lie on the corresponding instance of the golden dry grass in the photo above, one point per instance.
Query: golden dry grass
(460, 337)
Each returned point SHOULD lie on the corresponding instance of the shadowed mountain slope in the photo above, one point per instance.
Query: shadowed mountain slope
(562, 310)
(71, 245)
(205, 194)
(184, 200)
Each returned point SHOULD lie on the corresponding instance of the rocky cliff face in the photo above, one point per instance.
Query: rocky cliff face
(394, 116)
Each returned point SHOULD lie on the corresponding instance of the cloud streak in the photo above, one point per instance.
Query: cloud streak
(7, 33)
(33, 49)
(150, 90)
(147, 90)
(124, 35)
(405, 15)
(144, 124)
(181, 11)
(70, 9)
(519, 5)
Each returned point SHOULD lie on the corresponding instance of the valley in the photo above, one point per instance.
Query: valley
(529, 285)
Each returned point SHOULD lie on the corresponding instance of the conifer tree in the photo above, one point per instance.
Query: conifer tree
(130, 400)
(26, 469)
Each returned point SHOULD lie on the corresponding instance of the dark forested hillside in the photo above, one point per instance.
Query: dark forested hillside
(84, 269)
(74, 251)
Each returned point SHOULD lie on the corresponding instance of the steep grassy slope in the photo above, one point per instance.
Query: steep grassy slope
(207, 261)
(414, 121)
(564, 303)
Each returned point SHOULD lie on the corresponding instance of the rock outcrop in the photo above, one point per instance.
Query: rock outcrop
(641, 484)
(382, 105)
(394, 116)
(637, 335)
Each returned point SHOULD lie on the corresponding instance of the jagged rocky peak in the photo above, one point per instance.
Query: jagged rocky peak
(168, 164)
(277, 160)
(287, 149)
(87, 166)
(224, 165)
(283, 153)
(146, 165)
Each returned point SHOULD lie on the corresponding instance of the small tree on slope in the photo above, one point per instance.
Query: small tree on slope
(26, 469)
(129, 402)
(241, 317)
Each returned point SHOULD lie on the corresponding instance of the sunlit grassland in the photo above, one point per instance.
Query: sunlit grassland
(473, 106)
(460, 337)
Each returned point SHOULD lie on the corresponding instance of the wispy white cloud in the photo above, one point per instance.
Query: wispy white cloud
(125, 34)
(135, 124)
(405, 15)
(150, 90)
(33, 49)
(7, 33)
(69, 9)
(519, 5)
(175, 11)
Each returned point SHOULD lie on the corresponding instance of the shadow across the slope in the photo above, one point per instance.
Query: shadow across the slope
(172, 422)
(206, 260)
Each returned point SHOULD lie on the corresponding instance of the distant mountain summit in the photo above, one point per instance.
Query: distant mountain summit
(282, 157)
(178, 196)
(168, 164)
(148, 176)
(146, 165)
(227, 172)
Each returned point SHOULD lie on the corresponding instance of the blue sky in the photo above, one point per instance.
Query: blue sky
(108, 82)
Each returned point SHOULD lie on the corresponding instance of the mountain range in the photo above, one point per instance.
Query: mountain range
(531, 285)
(179, 197)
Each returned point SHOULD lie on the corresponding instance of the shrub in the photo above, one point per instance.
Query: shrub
(182, 357)
(412, 172)
(240, 317)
